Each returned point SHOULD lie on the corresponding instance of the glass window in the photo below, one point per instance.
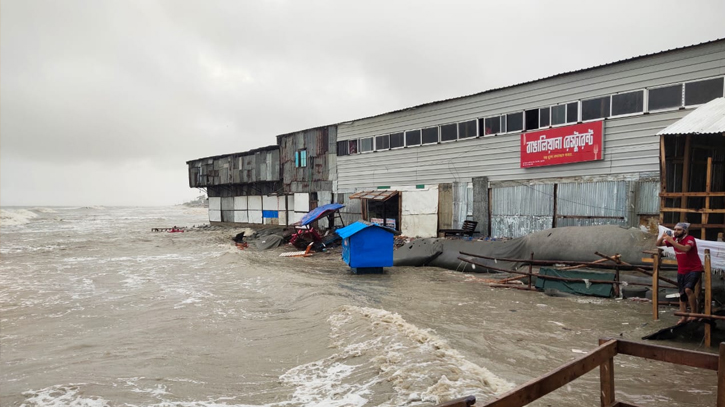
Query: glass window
(449, 132)
(572, 112)
(532, 119)
(514, 121)
(595, 108)
(667, 97)
(382, 142)
(412, 138)
(366, 144)
(396, 140)
(492, 125)
(353, 146)
(467, 129)
(342, 148)
(628, 103)
(544, 117)
(430, 135)
(558, 114)
(697, 93)
(301, 158)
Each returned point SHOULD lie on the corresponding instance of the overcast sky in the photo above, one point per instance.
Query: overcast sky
(103, 102)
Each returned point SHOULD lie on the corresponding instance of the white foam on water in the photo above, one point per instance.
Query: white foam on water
(16, 217)
(43, 210)
(377, 348)
(61, 396)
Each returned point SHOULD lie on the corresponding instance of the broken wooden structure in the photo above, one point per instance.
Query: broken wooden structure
(606, 262)
(603, 357)
(692, 171)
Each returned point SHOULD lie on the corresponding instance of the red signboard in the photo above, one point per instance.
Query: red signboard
(562, 145)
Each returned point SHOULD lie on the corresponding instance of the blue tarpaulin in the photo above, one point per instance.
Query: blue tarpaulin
(319, 212)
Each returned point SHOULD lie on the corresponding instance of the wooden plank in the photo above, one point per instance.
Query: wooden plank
(708, 297)
(641, 270)
(702, 316)
(663, 177)
(668, 354)
(461, 402)
(662, 261)
(706, 216)
(557, 378)
(655, 287)
(690, 194)
(685, 176)
(531, 271)
(721, 377)
(698, 225)
(685, 210)
(606, 380)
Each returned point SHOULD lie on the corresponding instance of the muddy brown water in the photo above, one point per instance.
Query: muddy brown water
(98, 311)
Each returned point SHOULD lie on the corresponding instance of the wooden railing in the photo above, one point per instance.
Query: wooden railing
(603, 357)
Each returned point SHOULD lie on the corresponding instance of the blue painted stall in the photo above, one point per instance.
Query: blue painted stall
(367, 247)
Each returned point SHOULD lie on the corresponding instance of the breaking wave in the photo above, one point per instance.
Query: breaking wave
(15, 217)
(376, 349)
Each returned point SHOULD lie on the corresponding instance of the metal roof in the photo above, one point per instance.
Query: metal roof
(350, 230)
(248, 152)
(375, 195)
(706, 119)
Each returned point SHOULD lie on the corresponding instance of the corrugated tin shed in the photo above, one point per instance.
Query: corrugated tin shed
(706, 119)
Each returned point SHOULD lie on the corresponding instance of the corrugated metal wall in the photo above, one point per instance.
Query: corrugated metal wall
(522, 209)
(630, 144)
(316, 175)
(260, 165)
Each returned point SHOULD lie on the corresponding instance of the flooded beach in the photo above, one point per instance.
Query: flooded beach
(96, 310)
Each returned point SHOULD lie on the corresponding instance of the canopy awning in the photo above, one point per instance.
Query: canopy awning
(375, 195)
(706, 119)
(319, 212)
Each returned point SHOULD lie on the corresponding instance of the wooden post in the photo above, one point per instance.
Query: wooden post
(721, 377)
(708, 297)
(553, 220)
(531, 266)
(655, 284)
(606, 379)
(685, 177)
(663, 177)
(708, 185)
(617, 290)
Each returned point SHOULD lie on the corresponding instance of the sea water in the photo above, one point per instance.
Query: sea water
(98, 310)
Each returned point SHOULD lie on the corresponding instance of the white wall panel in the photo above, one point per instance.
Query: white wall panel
(255, 216)
(215, 203)
(215, 216)
(241, 217)
(282, 218)
(420, 201)
(302, 202)
(420, 225)
(240, 203)
(282, 202)
(270, 203)
(254, 202)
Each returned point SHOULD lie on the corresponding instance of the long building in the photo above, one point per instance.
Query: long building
(578, 148)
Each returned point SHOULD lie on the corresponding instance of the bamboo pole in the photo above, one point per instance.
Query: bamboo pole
(531, 271)
(655, 287)
(708, 296)
(640, 269)
(623, 266)
(708, 185)
(685, 176)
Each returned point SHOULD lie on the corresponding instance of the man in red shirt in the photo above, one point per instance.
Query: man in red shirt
(689, 266)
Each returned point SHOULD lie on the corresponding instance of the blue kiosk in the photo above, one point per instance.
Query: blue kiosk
(367, 247)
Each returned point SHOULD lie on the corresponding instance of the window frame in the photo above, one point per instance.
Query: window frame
(299, 158)
(475, 126)
(375, 143)
(501, 125)
(523, 122)
(440, 133)
(347, 147)
(581, 108)
(667, 109)
(684, 90)
(644, 103)
(549, 116)
(396, 132)
(372, 145)
(405, 138)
